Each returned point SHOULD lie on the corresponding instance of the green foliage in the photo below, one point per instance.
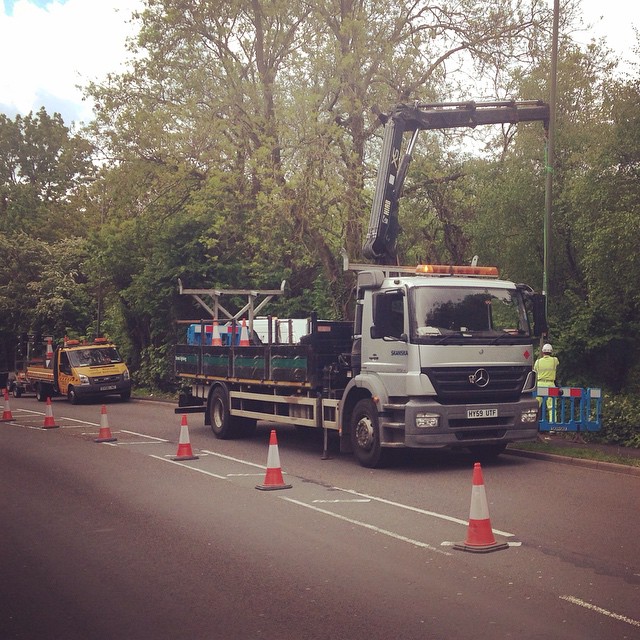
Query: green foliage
(621, 421)
(155, 370)
(42, 167)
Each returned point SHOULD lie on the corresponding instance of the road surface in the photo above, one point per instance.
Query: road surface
(118, 540)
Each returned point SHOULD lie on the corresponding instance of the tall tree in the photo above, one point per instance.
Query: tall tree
(43, 166)
(280, 95)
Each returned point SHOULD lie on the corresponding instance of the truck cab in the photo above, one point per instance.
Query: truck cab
(441, 360)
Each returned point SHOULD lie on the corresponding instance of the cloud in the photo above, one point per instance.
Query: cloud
(50, 47)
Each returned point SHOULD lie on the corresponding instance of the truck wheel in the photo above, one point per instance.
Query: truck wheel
(16, 390)
(125, 395)
(220, 418)
(365, 435)
(72, 396)
(41, 392)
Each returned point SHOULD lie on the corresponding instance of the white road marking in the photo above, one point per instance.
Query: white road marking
(604, 612)
(340, 501)
(91, 424)
(186, 466)
(246, 475)
(143, 435)
(35, 413)
(220, 455)
(365, 498)
(142, 442)
(366, 525)
(433, 514)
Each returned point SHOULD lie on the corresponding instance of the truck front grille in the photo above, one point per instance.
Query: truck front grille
(453, 385)
(105, 379)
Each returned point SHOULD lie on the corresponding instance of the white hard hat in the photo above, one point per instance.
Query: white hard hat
(547, 348)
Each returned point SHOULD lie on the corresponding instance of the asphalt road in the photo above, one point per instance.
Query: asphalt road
(117, 540)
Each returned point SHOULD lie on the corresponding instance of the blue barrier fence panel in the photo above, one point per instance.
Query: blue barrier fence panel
(570, 409)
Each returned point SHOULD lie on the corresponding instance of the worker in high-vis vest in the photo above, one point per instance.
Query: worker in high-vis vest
(546, 371)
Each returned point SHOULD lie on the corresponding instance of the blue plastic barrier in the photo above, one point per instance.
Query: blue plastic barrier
(227, 332)
(194, 334)
(570, 409)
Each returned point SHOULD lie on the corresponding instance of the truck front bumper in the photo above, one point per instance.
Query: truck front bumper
(92, 390)
(452, 426)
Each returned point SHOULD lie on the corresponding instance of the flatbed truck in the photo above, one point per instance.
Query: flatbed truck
(438, 356)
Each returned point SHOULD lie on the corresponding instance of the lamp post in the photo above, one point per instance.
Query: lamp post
(550, 152)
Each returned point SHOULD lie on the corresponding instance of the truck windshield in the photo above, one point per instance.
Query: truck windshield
(493, 314)
(94, 357)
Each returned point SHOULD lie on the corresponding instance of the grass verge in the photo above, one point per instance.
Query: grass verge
(578, 451)
(140, 393)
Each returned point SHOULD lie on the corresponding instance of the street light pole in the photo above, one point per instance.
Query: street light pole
(550, 152)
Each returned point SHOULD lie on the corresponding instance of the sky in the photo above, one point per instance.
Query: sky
(48, 47)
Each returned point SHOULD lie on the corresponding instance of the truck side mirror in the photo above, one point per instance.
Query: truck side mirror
(539, 308)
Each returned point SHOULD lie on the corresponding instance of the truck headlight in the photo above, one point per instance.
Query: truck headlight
(530, 415)
(83, 379)
(427, 420)
(125, 375)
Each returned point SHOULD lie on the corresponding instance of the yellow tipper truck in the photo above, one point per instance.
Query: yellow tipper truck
(80, 370)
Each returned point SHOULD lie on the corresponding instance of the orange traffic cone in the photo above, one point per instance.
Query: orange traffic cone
(6, 414)
(480, 538)
(216, 341)
(49, 422)
(244, 335)
(49, 355)
(185, 452)
(105, 432)
(273, 478)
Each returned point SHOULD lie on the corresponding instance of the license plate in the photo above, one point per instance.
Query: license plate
(482, 413)
(108, 387)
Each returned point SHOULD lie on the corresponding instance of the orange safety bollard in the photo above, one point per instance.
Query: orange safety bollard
(273, 478)
(480, 538)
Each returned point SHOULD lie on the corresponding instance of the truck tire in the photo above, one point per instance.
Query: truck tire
(219, 416)
(72, 396)
(42, 392)
(16, 390)
(365, 435)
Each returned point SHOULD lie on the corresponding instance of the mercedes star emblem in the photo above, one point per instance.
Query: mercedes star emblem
(480, 378)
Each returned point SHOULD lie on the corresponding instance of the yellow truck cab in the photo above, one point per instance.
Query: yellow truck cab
(80, 370)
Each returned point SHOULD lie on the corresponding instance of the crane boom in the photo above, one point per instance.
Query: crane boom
(380, 243)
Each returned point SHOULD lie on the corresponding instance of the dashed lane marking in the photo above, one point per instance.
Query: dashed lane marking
(247, 475)
(220, 455)
(181, 464)
(371, 527)
(340, 501)
(81, 423)
(600, 610)
(143, 435)
(433, 514)
(362, 498)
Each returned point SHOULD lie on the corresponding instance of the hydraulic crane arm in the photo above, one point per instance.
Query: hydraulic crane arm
(380, 243)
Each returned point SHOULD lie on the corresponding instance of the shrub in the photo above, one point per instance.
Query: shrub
(620, 421)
